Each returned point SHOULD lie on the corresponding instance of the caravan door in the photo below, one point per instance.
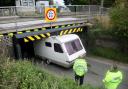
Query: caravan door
(59, 54)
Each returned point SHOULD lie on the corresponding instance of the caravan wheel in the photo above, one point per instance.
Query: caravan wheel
(48, 61)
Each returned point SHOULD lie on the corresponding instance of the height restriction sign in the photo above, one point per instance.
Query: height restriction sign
(50, 14)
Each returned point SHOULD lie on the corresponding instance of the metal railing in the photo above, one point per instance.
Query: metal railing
(8, 11)
(62, 11)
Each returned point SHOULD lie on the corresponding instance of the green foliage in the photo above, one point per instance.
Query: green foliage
(110, 53)
(99, 32)
(76, 2)
(107, 3)
(119, 15)
(119, 19)
(24, 75)
(79, 2)
(7, 2)
(115, 54)
(96, 33)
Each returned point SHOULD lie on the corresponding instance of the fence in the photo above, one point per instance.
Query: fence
(63, 11)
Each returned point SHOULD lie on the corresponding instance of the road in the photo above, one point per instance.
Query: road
(96, 72)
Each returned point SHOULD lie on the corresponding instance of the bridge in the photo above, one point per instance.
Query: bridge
(20, 27)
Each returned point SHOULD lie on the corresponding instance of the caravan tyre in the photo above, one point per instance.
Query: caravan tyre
(48, 61)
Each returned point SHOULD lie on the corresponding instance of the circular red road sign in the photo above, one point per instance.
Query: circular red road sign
(51, 14)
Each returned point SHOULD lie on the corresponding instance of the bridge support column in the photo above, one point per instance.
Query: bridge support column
(17, 48)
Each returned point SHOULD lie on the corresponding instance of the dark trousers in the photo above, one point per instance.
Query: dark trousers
(79, 79)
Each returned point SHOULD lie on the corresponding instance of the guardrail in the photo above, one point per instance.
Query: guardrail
(69, 10)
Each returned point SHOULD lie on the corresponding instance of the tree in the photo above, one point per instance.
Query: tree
(119, 15)
(79, 2)
(76, 2)
(107, 3)
(119, 20)
(7, 2)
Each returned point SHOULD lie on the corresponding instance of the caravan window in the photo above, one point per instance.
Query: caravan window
(48, 44)
(58, 48)
(73, 46)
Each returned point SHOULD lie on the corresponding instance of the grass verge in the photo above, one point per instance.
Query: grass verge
(109, 53)
(25, 75)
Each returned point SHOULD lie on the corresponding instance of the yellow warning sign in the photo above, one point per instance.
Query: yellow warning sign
(50, 14)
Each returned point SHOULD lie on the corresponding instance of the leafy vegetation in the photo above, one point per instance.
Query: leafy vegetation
(107, 3)
(116, 30)
(109, 53)
(119, 15)
(119, 20)
(100, 50)
(24, 75)
(7, 2)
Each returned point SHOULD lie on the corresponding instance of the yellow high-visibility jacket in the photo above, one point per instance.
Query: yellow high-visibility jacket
(112, 79)
(80, 67)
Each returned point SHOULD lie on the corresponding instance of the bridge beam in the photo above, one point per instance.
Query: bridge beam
(46, 31)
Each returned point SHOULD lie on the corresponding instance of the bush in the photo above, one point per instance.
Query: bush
(117, 54)
(109, 53)
(24, 75)
(119, 20)
(119, 16)
(94, 34)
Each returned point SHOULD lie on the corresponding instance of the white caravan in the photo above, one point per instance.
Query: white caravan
(61, 50)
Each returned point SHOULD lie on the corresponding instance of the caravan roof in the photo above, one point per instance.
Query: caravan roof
(66, 38)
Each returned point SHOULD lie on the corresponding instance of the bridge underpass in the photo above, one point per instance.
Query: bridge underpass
(23, 40)
(24, 32)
